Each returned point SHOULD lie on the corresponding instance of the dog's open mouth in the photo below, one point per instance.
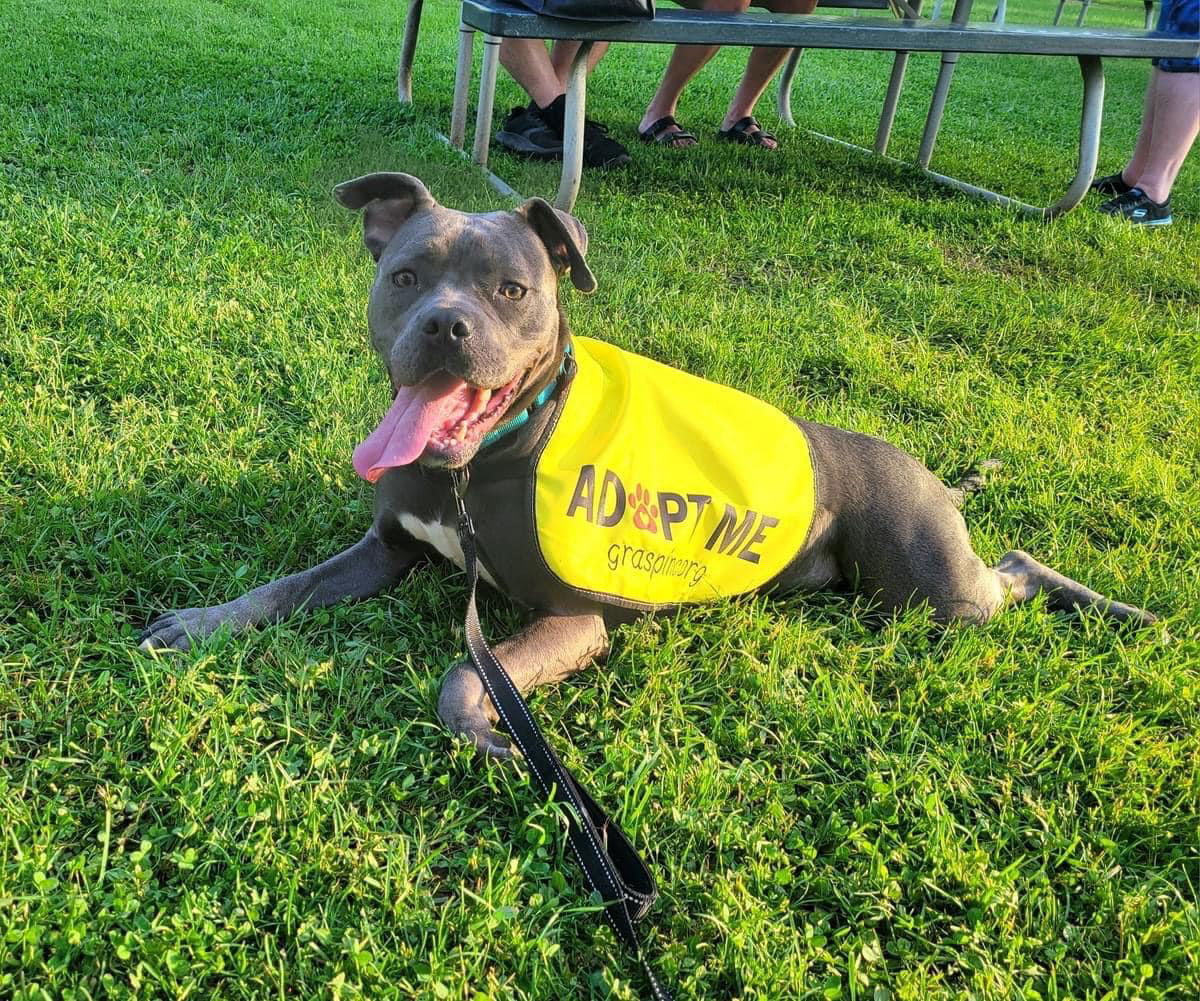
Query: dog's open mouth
(443, 416)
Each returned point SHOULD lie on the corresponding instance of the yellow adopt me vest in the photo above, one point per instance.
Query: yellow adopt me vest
(654, 487)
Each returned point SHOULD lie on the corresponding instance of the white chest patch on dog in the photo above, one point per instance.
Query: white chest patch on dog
(444, 540)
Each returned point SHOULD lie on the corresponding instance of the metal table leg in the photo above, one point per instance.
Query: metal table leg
(1058, 12)
(487, 97)
(408, 48)
(1089, 148)
(462, 86)
(1082, 13)
(937, 107)
(1092, 71)
(933, 121)
(572, 168)
(784, 99)
(887, 114)
(1149, 5)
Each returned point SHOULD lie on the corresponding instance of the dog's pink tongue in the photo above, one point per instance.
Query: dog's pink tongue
(415, 414)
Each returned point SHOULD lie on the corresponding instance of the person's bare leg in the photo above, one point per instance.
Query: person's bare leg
(685, 62)
(562, 54)
(762, 65)
(1141, 149)
(1175, 123)
(541, 74)
(528, 62)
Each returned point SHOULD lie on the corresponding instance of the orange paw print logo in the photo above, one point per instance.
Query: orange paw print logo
(645, 514)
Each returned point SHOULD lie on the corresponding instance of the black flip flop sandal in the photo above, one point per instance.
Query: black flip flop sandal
(657, 133)
(747, 132)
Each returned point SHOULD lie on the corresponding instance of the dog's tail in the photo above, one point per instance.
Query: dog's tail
(974, 480)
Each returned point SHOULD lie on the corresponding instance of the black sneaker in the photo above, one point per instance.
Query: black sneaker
(1137, 207)
(1111, 184)
(527, 133)
(599, 149)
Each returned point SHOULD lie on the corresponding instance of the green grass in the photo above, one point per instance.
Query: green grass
(833, 810)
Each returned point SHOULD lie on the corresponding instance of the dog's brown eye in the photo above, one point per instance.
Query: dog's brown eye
(513, 291)
(404, 279)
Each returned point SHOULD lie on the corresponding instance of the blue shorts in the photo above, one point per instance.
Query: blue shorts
(1180, 17)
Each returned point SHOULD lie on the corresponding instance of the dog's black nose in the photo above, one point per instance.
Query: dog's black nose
(449, 324)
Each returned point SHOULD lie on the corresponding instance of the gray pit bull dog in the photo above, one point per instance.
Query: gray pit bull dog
(464, 314)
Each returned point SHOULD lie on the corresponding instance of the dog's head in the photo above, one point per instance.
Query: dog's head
(463, 313)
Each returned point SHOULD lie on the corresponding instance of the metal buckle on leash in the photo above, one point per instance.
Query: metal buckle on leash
(459, 478)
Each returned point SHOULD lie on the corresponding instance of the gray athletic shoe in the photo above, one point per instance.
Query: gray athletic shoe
(599, 148)
(1137, 207)
(526, 133)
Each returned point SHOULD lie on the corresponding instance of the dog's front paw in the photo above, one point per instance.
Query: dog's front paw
(179, 630)
(466, 709)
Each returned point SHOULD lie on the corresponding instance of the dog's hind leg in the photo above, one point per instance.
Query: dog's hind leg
(896, 532)
(1023, 577)
(550, 648)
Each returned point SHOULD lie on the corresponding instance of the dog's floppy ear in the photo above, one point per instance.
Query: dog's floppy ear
(389, 198)
(565, 240)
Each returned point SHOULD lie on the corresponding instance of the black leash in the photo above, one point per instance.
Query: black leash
(612, 866)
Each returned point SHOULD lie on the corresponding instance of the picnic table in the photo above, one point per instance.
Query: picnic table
(498, 19)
